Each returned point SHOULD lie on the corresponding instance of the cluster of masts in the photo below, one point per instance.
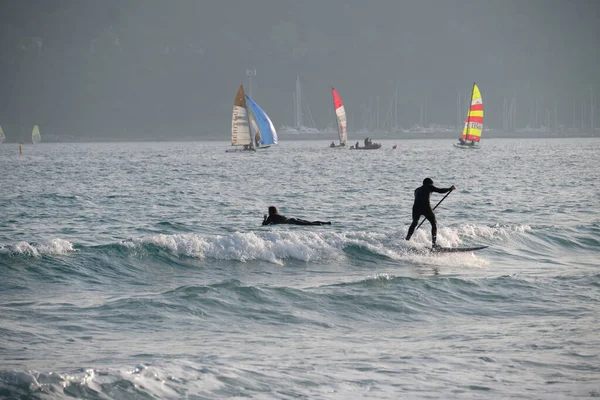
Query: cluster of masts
(525, 115)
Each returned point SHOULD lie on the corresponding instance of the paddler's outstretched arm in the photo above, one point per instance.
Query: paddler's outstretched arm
(443, 190)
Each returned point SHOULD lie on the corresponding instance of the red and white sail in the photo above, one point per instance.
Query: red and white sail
(340, 114)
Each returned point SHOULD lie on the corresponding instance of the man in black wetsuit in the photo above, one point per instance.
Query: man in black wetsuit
(422, 207)
(276, 218)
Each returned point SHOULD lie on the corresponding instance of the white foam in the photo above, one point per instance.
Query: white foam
(276, 245)
(496, 232)
(272, 246)
(52, 247)
(417, 250)
(380, 277)
(163, 382)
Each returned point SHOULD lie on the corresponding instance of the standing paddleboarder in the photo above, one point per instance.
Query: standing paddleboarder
(421, 206)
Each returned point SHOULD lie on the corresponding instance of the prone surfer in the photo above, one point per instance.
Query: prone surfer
(422, 206)
(275, 218)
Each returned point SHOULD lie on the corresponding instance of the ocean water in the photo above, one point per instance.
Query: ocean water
(142, 271)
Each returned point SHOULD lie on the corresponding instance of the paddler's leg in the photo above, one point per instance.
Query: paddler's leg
(431, 218)
(415, 216)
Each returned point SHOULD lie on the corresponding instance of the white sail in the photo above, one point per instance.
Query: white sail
(240, 127)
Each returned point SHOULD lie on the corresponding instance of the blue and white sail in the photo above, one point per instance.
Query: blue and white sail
(260, 123)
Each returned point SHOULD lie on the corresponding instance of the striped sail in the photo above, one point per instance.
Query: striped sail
(264, 129)
(474, 121)
(35, 135)
(2, 136)
(340, 114)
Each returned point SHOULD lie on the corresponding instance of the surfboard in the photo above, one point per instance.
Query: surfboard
(456, 249)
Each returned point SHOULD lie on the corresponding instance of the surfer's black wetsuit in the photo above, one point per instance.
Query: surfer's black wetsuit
(422, 207)
(275, 219)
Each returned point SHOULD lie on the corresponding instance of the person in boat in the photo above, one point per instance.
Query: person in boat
(461, 141)
(275, 218)
(366, 142)
(356, 145)
(332, 144)
(472, 143)
(422, 206)
(246, 147)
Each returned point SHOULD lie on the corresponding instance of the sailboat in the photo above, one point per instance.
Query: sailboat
(240, 124)
(474, 123)
(299, 127)
(2, 136)
(340, 118)
(35, 135)
(261, 126)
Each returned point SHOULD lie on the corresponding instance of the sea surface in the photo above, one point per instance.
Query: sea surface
(142, 271)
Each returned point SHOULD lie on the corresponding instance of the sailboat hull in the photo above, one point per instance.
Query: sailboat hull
(374, 146)
(468, 147)
(240, 150)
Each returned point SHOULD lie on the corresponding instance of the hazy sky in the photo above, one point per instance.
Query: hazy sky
(172, 67)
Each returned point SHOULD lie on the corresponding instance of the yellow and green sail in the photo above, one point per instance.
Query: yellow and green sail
(474, 121)
(35, 135)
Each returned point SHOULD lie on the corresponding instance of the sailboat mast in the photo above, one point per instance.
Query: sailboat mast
(459, 111)
(396, 129)
(248, 121)
(298, 103)
(481, 107)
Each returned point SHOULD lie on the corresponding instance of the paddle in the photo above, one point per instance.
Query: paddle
(440, 202)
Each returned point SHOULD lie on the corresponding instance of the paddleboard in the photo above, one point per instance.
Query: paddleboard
(456, 249)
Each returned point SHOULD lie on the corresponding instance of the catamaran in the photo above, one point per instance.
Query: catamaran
(248, 123)
(35, 135)
(261, 126)
(2, 136)
(474, 123)
(340, 118)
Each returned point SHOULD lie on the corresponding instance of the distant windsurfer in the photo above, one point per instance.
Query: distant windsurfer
(422, 206)
(275, 218)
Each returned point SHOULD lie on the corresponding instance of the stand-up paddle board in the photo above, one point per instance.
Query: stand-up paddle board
(455, 249)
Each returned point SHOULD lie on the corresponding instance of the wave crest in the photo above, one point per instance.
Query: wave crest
(53, 247)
